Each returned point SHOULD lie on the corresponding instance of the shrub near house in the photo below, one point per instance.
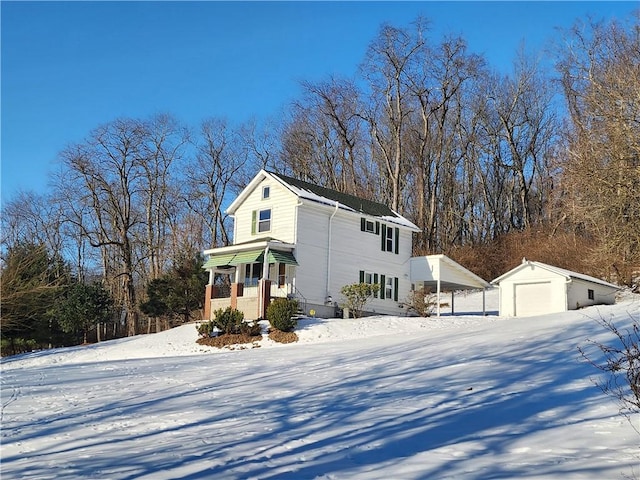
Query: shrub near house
(280, 313)
(357, 295)
(234, 330)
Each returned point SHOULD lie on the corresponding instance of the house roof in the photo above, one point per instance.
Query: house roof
(452, 276)
(355, 203)
(568, 274)
(326, 196)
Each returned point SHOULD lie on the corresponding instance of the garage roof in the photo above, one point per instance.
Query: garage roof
(568, 274)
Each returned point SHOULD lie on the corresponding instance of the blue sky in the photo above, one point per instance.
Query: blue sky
(68, 67)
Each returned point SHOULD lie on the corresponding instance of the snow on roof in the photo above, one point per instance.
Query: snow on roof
(560, 271)
(329, 197)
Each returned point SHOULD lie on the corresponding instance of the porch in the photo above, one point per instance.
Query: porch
(247, 278)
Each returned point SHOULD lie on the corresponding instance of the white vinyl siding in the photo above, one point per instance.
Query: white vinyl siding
(282, 206)
(352, 249)
(311, 254)
(583, 294)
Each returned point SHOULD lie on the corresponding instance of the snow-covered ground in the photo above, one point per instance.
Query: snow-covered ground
(460, 397)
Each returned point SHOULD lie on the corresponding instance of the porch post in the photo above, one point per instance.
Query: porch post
(438, 295)
(262, 296)
(452, 311)
(484, 309)
(208, 295)
(265, 296)
(236, 291)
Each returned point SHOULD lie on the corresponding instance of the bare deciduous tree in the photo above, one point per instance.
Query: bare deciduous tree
(101, 190)
(210, 177)
(391, 62)
(600, 74)
(165, 140)
(323, 141)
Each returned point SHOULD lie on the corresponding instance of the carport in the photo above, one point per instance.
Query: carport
(441, 274)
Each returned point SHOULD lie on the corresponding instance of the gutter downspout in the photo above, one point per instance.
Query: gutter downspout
(329, 250)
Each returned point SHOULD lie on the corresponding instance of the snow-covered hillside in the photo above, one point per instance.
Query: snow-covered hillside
(460, 397)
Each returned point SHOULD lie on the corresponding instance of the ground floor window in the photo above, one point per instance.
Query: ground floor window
(388, 285)
(252, 274)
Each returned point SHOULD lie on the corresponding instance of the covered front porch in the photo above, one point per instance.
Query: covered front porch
(247, 276)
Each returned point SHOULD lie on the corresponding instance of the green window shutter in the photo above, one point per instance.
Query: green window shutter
(362, 224)
(384, 237)
(395, 289)
(375, 281)
(382, 286)
(253, 222)
(377, 228)
(361, 276)
(397, 239)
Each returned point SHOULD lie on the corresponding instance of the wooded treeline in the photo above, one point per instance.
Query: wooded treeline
(490, 166)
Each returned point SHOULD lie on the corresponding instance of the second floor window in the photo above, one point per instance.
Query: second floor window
(369, 226)
(390, 239)
(264, 221)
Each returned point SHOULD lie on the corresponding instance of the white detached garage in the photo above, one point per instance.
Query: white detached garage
(535, 288)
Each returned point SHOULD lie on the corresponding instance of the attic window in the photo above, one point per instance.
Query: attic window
(266, 191)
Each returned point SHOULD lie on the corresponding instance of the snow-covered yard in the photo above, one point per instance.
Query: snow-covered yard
(461, 397)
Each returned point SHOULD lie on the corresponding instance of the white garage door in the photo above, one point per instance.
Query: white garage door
(532, 299)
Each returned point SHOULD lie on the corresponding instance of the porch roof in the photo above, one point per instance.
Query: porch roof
(249, 256)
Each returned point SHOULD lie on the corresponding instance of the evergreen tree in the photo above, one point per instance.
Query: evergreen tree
(31, 283)
(83, 309)
(179, 292)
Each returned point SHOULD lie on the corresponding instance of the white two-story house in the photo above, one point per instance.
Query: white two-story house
(298, 240)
